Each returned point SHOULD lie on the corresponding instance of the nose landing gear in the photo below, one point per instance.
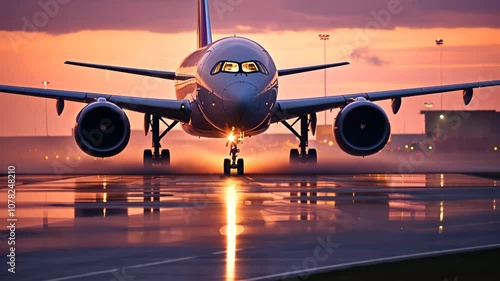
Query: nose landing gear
(234, 162)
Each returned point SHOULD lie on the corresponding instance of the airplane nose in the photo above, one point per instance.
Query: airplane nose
(241, 103)
(240, 92)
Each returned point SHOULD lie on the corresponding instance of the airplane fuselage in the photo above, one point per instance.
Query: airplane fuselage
(232, 86)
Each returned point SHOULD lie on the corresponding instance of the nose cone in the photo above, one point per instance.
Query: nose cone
(242, 104)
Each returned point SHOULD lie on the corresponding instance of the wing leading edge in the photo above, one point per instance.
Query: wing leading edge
(286, 109)
(290, 71)
(178, 110)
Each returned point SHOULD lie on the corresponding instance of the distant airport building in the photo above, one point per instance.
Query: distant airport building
(463, 130)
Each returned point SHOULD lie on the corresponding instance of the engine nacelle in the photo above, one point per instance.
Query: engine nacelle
(102, 129)
(362, 128)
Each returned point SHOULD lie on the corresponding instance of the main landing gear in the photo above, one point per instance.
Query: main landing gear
(303, 156)
(234, 162)
(156, 157)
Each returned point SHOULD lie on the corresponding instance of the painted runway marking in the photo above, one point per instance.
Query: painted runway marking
(134, 266)
(117, 269)
(161, 262)
(290, 274)
(84, 275)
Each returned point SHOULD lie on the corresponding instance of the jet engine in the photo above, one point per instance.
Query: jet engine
(102, 129)
(362, 128)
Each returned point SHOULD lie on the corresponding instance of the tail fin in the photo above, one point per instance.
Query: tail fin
(204, 26)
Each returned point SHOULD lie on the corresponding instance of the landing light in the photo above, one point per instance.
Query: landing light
(330, 143)
(406, 146)
(441, 117)
(231, 138)
(412, 148)
(495, 148)
(430, 147)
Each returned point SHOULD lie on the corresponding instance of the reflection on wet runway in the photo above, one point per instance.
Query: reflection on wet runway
(213, 227)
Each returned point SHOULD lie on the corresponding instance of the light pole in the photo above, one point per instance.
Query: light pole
(440, 43)
(45, 83)
(324, 38)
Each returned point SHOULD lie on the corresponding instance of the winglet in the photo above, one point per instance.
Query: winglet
(204, 26)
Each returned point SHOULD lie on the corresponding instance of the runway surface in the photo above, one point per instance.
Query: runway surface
(258, 227)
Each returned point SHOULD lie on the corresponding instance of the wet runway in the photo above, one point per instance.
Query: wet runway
(259, 227)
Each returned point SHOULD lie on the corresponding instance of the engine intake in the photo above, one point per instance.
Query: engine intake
(362, 128)
(102, 129)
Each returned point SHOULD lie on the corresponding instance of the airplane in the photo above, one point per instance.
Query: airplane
(229, 89)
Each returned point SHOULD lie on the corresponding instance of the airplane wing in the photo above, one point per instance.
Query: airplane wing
(144, 72)
(286, 109)
(178, 110)
(290, 71)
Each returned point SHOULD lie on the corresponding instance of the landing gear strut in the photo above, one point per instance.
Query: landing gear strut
(301, 155)
(155, 156)
(234, 162)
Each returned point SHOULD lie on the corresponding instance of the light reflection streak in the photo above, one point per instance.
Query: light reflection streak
(231, 232)
(441, 212)
(441, 216)
(104, 198)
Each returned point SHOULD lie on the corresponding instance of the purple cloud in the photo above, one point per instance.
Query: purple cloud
(171, 16)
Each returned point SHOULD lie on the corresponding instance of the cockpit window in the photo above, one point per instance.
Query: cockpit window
(234, 67)
(263, 69)
(249, 67)
(217, 68)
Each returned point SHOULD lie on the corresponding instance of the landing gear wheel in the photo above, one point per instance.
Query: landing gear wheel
(294, 157)
(156, 157)
(241, 167)
(227, 167)
(148, 158)
(165, 157)
(303, 156)
(312, 157)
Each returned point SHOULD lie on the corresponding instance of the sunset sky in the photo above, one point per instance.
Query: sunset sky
(390, 44)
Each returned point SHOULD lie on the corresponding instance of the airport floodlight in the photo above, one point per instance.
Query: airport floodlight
(45, 83)
(440, 43)
(324, 38)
